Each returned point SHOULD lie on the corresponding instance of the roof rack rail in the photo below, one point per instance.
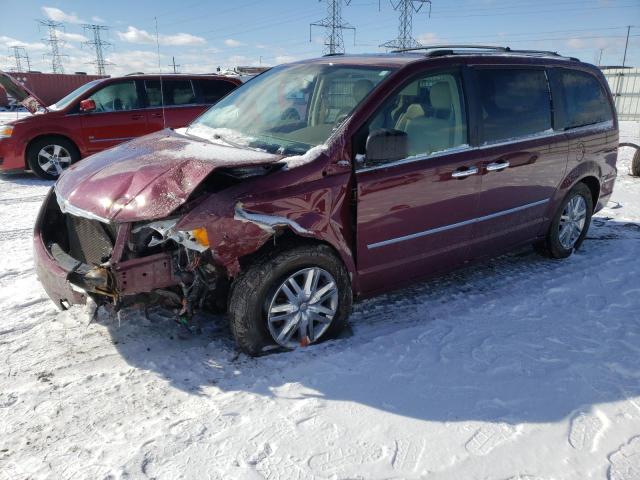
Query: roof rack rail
(437, 50)
(452, 47)
(333, 54)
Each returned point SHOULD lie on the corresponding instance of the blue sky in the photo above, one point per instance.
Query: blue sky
(205, 34)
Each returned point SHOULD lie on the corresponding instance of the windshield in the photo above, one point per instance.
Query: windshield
(65, 101)
(288, 109)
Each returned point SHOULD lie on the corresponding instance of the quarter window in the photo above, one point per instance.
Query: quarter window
(584, 100)
(430, 110)
(214, 90)
(514, 103)
(116, 97)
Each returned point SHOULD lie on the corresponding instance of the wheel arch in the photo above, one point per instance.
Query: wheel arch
(594, 186)
(285, 239)
(47, 135)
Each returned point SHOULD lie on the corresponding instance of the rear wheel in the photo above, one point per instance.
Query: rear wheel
(570, 224)
(290, 298)
(49, 156)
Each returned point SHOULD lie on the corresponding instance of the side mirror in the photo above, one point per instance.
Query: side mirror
(87, 105)
(387, 145)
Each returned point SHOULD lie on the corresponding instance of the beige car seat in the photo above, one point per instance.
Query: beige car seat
(432, 133)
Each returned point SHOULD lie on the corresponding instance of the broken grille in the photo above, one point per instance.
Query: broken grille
(90, 241)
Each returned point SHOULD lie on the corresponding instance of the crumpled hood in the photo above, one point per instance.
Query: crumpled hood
(147, 178)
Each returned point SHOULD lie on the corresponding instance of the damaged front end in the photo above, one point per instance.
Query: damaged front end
(79, 255)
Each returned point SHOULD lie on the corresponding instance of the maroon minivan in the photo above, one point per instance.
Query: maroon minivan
(336, 178)
(99, 115)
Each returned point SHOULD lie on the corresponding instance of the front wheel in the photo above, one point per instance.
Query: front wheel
(290, 298)
(49, 156)
(570, 223)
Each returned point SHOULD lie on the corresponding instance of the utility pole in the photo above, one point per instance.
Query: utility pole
(98, 44)
(20, 54)
(54, 44)
(333, 25)
(174, 65)
(405, 27)
(626, 45)
(600, 57)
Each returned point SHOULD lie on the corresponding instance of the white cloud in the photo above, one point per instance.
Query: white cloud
(429, 38)
(97, 19)
(9, 42)
(230, 42)
(135, 61)
(58, 15)
(70, 37)
(285, 59)
(135, 35)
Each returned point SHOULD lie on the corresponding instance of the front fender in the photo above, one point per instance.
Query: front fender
(239, 223)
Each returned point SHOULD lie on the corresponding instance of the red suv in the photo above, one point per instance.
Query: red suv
(99, 115)
(336, 178)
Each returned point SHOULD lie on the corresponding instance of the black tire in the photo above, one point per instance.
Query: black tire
(635, 164)
(63, 145)
(551, 246)
(254, 288)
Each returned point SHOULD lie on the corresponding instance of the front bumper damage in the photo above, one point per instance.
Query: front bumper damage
(70, 273)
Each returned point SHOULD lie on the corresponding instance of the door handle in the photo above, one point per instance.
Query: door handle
(497, 166)
(137, 116)
(465, 173)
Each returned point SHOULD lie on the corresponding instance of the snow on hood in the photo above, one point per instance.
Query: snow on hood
(147, 178)
(226, 136)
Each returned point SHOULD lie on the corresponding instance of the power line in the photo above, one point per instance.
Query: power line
(174, 65)
(98, 44)
(405, 27)
(20, 54)
(54, 44)
(333, 26)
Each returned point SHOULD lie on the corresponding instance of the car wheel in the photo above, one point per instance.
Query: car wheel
(48, 157)
(570, 223)
(635, 164)
(290, 298)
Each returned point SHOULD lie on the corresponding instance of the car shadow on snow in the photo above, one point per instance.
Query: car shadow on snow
(517, 339)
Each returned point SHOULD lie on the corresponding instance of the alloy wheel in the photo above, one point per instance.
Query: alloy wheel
(52, 159)
(572, 222)
(302, 307)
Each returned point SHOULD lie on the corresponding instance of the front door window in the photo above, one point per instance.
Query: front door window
(430, 110)
(116, 97)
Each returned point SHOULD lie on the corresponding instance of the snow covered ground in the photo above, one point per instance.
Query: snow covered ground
(519, 368)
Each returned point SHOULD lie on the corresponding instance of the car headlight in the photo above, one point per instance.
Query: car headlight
(6, 131)
(196, 239)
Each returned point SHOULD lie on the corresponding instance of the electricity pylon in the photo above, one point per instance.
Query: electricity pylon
(333, 25)
(405, 28)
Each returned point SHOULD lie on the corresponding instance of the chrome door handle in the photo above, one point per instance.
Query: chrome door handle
(465, 173)
(497, 166)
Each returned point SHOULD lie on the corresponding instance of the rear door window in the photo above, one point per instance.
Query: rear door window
(176, 92)
(584, 101)
(115, 97)
(513, 103)
(214, 90)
